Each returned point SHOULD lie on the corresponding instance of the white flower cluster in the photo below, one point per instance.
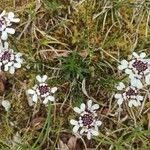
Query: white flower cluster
(42, 90)
(87, 121)
(9, 60)
(129, 94)
(6, 20)
(138, 71)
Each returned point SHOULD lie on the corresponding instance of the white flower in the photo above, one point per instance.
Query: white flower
(130, 95)
(6, 20)
(42, 90)
(9, 60)
(138, 69)
(87, 122)
(6, 104)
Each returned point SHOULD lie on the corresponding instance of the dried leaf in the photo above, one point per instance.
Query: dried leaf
(69, 142)
(65, 53)
(84, 89)
(16, 139)
(37, 123)
(105, 110)
(62, 146)
(62, 53)
(83, 53)
(65, 137)
(2, 82)
(72, 143)
(29, 99)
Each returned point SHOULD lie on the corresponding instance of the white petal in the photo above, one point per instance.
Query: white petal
(18, 55)
(124, 64)
(89, 104)
(12, 70)
(135, 55)
(6, 45)
(30, 91)
(10, 30)
(53, 90)
(15, 20)
(94, 132)
(10, 64)
(11, 15)
(147, 60)
(45, 101)
(139, 97)
(136, 83)
(73, 122)
(6, 68)
(117, 96)
(120, 101)
(1, 64)
(3, 13)
(17, 65)
(44, 78)
(82, 107)
(121, 86)
(142, 55)
(51, 98)
(19, 60)
(76, 128)
(34, 98)
(6, 104)
(98, 123)
(4, 35)
(38, 78)
(89, 135)
(147, 79)
(96, 127)
(128, 71)
(95, 107)
(133, 102)
(77, 110)
(130, 103)
(120, 67)
(30, 101)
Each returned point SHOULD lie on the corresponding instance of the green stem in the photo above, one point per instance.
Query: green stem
(46, 126)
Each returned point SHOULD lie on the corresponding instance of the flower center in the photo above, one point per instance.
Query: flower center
(6, 56)
(87, 119)
(140, 66)
(130, 92)
(43, 89)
